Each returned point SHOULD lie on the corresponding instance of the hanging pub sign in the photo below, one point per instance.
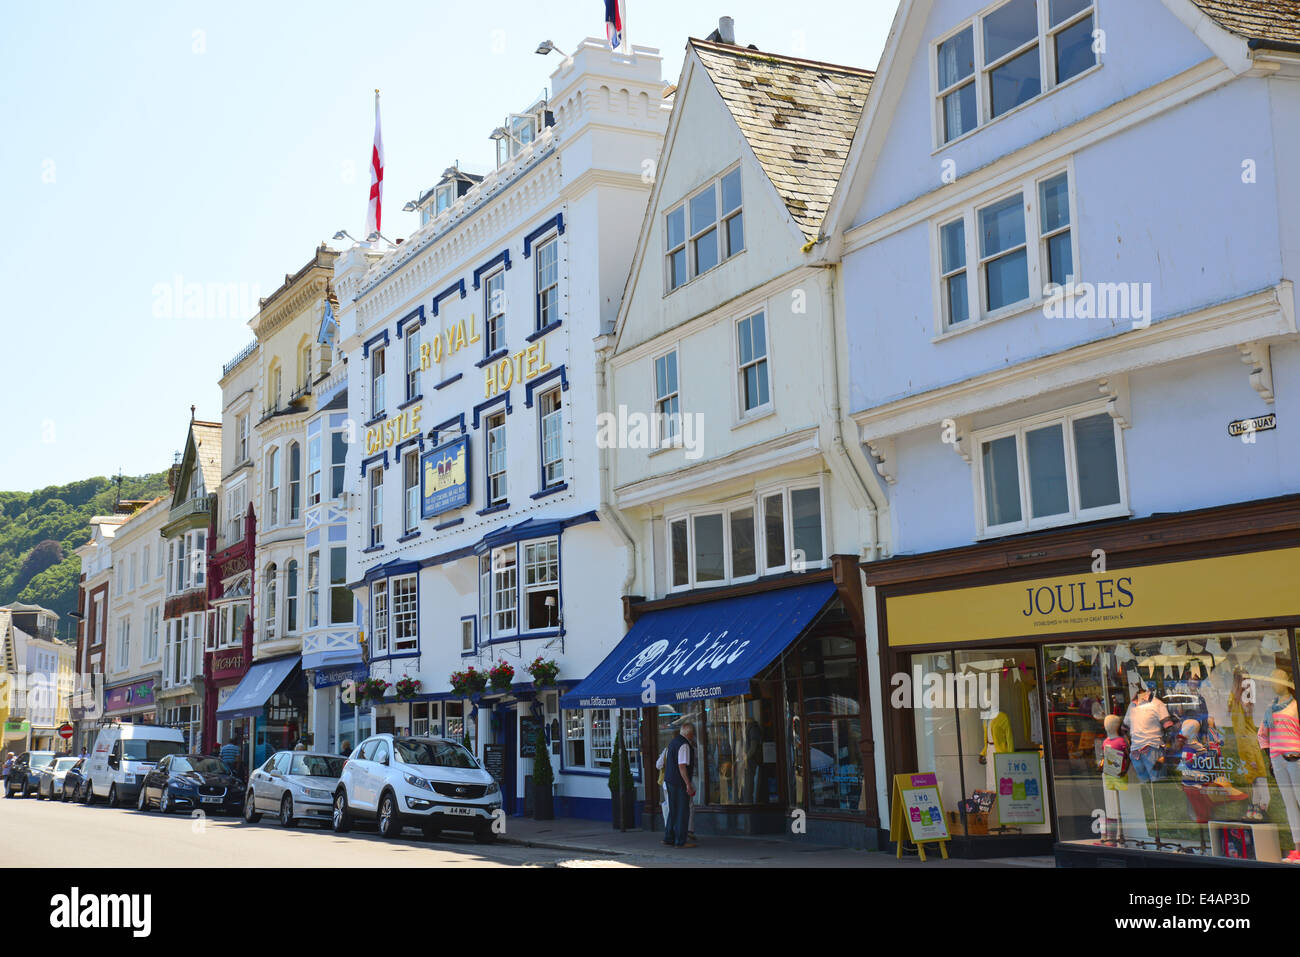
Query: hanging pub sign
(445, 478)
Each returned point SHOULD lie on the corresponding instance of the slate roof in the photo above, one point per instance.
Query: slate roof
(1273, 21)
(207, 440)
(799, 117)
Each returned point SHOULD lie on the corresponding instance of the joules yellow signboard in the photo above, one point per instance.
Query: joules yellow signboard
(1223, 589)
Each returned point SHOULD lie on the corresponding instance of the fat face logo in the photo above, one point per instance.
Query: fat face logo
(1075, 596)
(646, 657)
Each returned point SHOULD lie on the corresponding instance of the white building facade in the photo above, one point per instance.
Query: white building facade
(1070, 317)
(133, 653)
(476, 534)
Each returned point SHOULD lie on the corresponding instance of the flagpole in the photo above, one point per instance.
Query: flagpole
(627, 43)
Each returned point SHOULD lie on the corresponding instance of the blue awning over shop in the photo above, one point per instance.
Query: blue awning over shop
(709, 650)
(256, 688)
(331, 658)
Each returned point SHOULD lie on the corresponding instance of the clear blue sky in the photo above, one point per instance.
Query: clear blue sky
(220, 143)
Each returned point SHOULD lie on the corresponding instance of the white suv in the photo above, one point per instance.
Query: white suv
(430, 783)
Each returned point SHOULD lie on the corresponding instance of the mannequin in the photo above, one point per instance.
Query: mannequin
(1114, 776)
(997, 740)
(1279, 738)
(1246, 735)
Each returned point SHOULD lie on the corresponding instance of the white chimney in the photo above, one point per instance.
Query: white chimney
(727, 30)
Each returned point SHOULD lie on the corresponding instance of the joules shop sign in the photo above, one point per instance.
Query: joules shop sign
(1253, 585)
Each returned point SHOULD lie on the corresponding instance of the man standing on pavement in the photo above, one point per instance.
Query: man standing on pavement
(8, 766)
(230, 754)
(679, 777)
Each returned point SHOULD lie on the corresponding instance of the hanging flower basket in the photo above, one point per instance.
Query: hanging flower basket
(373, 688)
(407, 688)
(468, 682)
(544, 672)
(501, 675)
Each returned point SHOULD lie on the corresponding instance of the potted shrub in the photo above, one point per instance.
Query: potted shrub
(372, 689)
(543, 780)
(468, 682)
(407, 688)
(622, 786)
(501, 675)
(543, 672)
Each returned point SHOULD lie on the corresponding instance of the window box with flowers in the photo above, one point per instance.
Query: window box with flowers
(468, 682)
(407, 688)
(544, 672)
(501, 675)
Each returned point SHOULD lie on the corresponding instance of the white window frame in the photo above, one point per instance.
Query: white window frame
(405, 612)
(292, 598)
(541, 250)
(485, 595)
(1075, 515)
(314, 444)
(379, 618)
(153, 624)
(338, 469)
(412, 361)
(313, 589)
(505, 582)
(1037, 266)
(721, 218)
(494, 321)
(236, 504)
(552, 421)
(241, 438)
(293, 462)
(591, 725)
(668, 405)
(1045, 38)
(765, 361)
(270, 603)
(375, 506)
(411, 492)
(528, 562)
(378, 379)
(497, 486)
(725, 510)
(273, 487)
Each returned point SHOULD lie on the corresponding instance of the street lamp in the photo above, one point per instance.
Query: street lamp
(546, 46)
(344, 234)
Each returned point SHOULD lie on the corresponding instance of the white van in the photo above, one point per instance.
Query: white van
(123, 755)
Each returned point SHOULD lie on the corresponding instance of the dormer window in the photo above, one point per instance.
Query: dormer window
(518, 133)
(443, 198)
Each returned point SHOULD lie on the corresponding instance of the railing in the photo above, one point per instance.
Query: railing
(243, 354)
(194, 506)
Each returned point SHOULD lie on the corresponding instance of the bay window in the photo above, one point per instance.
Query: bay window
(1050, 470)
(338, 461)
(313, 471)
(379, 618)
(725, 545)
(589, 738)
(541, 584)
(313, 589)
(405, 630)
(341, 601)
(504, 590)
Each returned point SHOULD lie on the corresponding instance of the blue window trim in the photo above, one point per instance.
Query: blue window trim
(376, 420)
(446, 525)
(492, 509)
(524, 636)
(417, 313)
(494, 357)
(497, 260)
(435, 433)
(474, 619)
(397, 450)
(447, 381)
(556, 222)
(552, 490)
(399, 655)
(457, 286)
(484, 406)
(411, 401)
(373, 548)
(366, 463)
(409, 537)
(544, 331)
(365, 346)
(557, 372)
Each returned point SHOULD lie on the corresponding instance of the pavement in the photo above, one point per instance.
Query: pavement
(646, 849)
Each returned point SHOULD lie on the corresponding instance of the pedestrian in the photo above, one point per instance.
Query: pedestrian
(300, 746)
(679, 777)
(346, 750)
(8, 767)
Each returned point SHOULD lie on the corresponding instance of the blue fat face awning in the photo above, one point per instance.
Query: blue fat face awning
(710, 650)
(256, 688)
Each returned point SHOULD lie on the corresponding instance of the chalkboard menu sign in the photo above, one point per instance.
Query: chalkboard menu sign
(528, 726)
(494, 761)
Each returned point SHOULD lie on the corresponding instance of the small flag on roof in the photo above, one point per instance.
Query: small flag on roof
(613, 24)
(328, 327)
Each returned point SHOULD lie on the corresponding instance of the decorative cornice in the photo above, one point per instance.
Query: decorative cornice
(297, 300)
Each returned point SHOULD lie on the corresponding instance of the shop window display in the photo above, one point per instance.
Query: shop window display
(979, 729)
(1184, 745)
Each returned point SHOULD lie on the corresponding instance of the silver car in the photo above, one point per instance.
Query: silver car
(50, 783)
(294, 785)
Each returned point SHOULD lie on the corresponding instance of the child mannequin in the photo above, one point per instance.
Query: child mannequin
(1114, 777)
(1246, 734)
(1279, 737)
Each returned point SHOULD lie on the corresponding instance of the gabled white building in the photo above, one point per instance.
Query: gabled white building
(728, 460)
(1068, 250)
(477, 533)
(133, 651)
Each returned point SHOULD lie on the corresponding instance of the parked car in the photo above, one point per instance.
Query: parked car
(184, 782)
(25, 774)
(294, 785)
(50, 783)
(123, 755)
(430, 783)
(75, 781)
